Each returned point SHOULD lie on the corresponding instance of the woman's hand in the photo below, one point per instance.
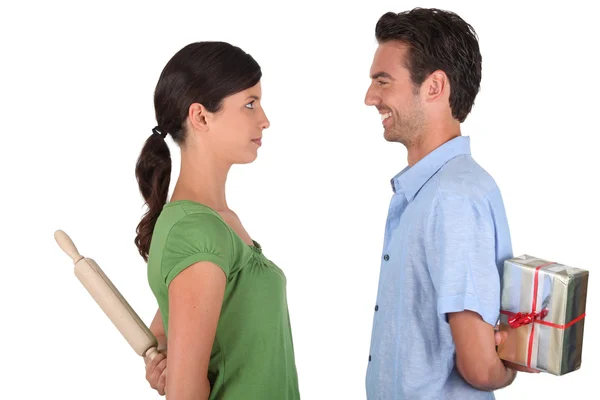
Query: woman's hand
(156, 372)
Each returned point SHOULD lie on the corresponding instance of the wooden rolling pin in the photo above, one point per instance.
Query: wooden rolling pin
(110, 300)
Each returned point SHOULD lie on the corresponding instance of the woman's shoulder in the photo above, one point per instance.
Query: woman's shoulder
(192, 221)
(189, 207)
(187, 227)
(186, 233)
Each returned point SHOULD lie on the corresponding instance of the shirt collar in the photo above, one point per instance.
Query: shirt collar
(411, 179)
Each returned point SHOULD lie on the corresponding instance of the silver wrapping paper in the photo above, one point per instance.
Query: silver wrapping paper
(553, 343)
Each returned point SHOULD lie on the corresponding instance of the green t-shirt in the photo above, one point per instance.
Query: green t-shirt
(253, 353)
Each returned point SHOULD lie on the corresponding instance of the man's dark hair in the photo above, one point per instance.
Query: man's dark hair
(438, 40)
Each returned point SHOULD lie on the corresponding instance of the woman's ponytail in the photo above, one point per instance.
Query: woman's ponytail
(153, 173)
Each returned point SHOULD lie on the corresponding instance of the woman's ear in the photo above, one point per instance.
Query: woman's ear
(198, 117)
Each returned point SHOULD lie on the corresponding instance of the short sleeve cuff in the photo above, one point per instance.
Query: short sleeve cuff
(194, 258)
(466, 301)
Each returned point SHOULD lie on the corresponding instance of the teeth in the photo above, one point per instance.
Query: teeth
(385, 116)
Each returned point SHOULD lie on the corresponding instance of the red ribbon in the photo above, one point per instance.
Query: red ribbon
(538, 321)
(520, 319)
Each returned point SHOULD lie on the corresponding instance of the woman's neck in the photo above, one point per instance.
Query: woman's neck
(202, 179)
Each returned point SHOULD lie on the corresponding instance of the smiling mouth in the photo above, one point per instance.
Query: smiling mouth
(385, 117)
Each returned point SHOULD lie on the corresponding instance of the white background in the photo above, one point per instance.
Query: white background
(76, 89)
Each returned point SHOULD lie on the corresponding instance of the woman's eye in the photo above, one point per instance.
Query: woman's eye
(250, 105)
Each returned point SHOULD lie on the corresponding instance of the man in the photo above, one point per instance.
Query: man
(447, 234)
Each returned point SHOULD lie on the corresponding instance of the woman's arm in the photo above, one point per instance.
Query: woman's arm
(158, 330)
(156, 369)
(195, 300)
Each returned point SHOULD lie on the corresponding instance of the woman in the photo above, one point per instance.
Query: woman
(222, 304)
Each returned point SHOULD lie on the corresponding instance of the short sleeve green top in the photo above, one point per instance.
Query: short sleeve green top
(253, 353)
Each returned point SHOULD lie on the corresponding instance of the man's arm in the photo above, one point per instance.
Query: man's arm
(476, 357)
(464, 269)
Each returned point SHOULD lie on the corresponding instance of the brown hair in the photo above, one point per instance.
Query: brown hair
(202, 72)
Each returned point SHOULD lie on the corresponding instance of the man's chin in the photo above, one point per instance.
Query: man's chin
(389, 135)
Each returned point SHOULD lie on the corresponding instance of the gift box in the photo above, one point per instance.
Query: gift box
(543, 311)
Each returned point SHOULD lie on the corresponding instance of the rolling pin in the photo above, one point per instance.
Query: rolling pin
(110, 300)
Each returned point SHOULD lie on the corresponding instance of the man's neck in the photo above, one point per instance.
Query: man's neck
(430, 140)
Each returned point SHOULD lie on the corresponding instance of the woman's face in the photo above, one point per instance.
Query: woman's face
(235, 132)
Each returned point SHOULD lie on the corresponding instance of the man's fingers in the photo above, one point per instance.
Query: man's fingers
(500, 337)
(520, 368)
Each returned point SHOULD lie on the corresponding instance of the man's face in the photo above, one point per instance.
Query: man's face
(394, 94)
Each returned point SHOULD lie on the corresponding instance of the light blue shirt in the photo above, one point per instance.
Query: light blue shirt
(446, 239)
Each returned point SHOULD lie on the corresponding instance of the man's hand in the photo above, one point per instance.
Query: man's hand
(520, 368)
(500, 337)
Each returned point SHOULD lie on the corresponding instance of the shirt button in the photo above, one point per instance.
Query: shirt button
(369, 358)
(386, 257)
(376, 308)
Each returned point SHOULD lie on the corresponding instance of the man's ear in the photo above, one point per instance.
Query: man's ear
(435, 86)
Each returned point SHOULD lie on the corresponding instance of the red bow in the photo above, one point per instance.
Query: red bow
(520, 319)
